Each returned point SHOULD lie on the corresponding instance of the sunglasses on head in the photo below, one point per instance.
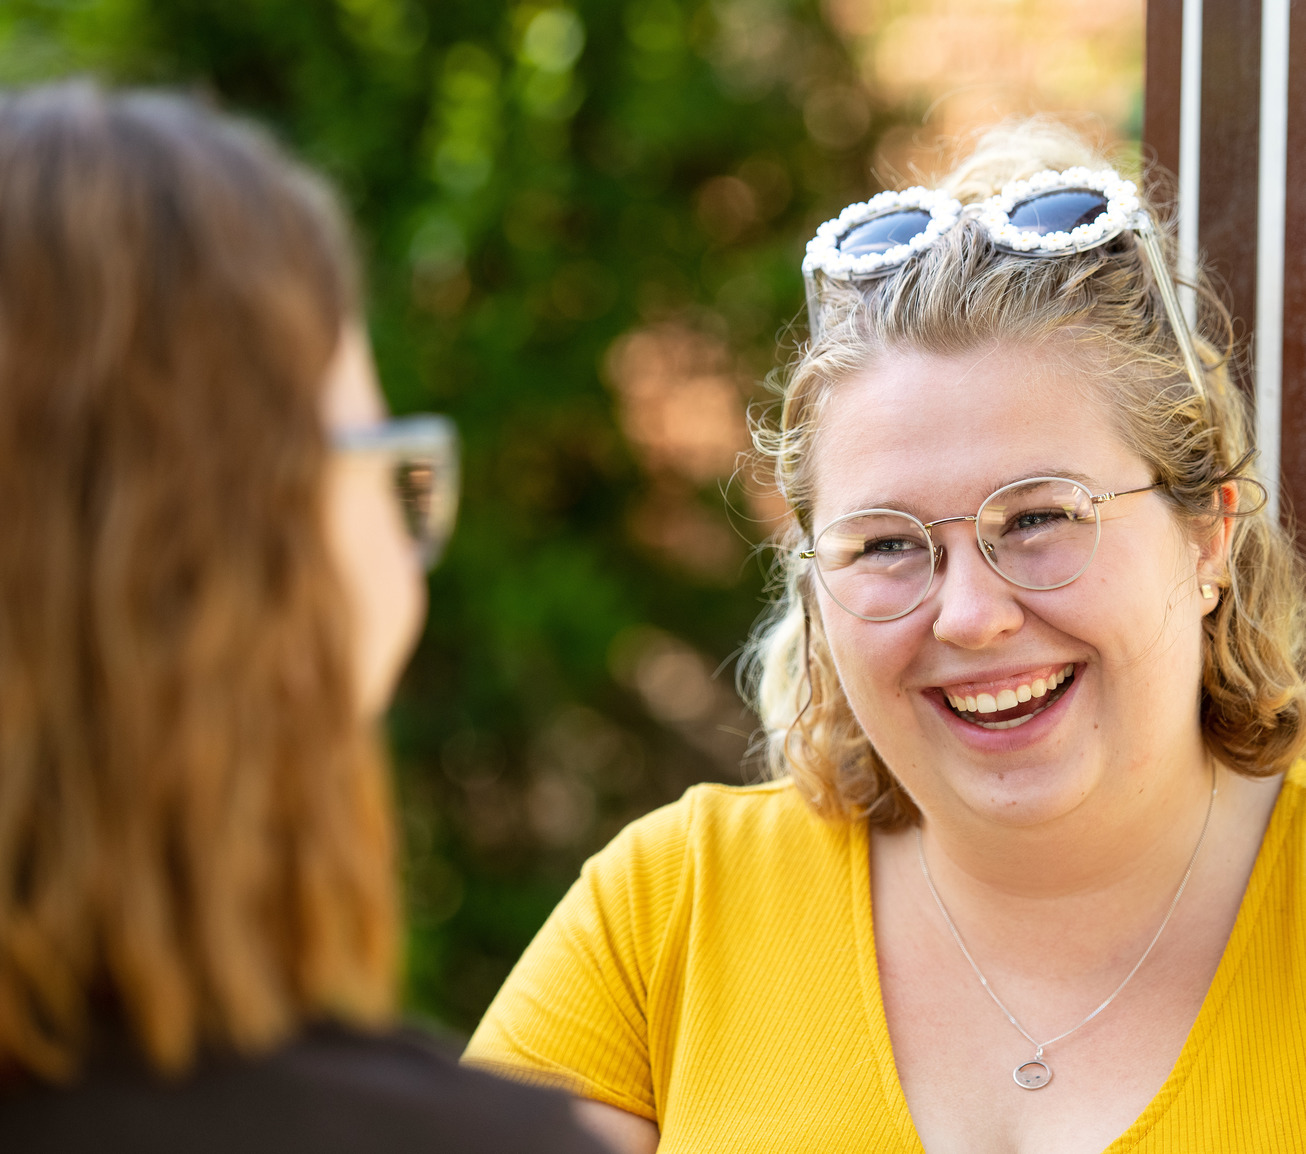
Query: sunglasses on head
(1051, 214)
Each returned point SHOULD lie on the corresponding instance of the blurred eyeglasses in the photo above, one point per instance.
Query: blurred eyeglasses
(1041, 533)
(423, 450)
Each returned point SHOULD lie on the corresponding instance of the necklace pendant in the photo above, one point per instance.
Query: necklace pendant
(1034, 1074)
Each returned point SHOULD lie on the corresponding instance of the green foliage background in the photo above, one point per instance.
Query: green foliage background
(532, 181)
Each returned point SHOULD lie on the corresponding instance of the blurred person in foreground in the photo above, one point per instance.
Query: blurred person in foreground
(1031, 873)
(207, 589)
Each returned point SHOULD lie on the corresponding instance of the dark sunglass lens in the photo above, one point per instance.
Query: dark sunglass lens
(1058, 211)
(884, 232)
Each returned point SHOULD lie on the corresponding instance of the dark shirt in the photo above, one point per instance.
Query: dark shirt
(333, 1090)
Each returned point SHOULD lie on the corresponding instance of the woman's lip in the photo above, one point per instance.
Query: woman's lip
(1026, 696)
(994, 683)
(1007, 740)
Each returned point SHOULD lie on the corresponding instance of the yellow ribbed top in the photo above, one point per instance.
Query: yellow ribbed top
(714, 969)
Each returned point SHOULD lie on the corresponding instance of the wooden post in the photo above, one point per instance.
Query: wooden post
(1163, 71)
(1293, 406)
(1227, 207)
(1247, 177)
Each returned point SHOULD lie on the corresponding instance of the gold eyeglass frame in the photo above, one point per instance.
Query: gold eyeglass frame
(986, 549)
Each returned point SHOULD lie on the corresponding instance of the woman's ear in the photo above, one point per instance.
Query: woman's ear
(1213, 558)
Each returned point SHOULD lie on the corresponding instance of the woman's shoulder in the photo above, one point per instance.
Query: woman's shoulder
(1296, 777)
(743, 805)
(711, 813)
(402, 1089)
(1275, 884)
(744, 832)
(1288, 819)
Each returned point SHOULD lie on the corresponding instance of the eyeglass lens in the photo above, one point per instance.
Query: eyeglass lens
(1038, 534)
(427, 509)
(414, 481)
(884, 232)
(1058, 211)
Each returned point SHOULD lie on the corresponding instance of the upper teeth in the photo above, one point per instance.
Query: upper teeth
(1009, 698)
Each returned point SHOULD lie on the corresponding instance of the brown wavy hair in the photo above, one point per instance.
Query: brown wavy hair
(195, 829)
(1102, 310)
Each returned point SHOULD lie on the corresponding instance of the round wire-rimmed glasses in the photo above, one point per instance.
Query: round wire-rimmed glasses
(423, 452)
(1040, 533)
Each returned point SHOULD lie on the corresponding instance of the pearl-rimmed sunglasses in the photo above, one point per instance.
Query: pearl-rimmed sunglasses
(1050, 214)
(423, 450)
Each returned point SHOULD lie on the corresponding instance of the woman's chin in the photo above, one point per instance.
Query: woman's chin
(1020, 796)
(1024, 776)
(1020, 775)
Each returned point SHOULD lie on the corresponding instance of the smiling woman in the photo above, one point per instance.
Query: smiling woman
(1029, 875)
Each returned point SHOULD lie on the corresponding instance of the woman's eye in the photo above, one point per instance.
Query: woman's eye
(1035, 519)
(889, 545)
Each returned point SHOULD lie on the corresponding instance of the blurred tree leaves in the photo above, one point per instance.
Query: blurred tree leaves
(582, 226)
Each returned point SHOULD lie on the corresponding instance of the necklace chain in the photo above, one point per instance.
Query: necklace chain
(961, 945)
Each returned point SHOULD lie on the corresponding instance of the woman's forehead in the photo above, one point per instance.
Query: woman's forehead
(920, 427)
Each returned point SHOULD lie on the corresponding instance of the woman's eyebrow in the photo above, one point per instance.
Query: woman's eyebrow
(898, 506)
(888, 503)
(1060, 474)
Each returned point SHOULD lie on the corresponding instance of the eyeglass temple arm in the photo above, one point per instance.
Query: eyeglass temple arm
(813, 292)
(1146, 233)
(1103, 498)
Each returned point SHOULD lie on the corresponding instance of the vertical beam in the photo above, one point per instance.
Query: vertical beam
(1190, 155)
(1251, 136)
(1272, 176)
(1172, 124)
(1293, 441)
(1231, 114)
(1162, 72)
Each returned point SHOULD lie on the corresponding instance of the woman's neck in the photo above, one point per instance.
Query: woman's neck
(1089, 890)
(1146, 824)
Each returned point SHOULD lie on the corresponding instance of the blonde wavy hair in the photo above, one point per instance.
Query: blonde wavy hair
(195, 830)
(1102, 309)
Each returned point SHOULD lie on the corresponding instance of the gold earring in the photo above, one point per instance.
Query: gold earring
(1208, 592)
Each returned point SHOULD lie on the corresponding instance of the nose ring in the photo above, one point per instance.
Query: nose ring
(937, 635)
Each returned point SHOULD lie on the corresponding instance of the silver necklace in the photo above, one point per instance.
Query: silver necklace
(1036, 1073)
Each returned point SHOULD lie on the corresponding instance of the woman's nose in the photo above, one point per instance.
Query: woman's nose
(972, 604)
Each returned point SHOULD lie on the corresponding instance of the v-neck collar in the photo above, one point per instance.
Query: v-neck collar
(1259, 886)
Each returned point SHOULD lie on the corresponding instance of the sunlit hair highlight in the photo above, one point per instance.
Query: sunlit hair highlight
(194, 821)
(1101, 312)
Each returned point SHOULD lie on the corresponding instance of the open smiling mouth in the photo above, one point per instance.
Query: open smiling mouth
(1012, 707)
